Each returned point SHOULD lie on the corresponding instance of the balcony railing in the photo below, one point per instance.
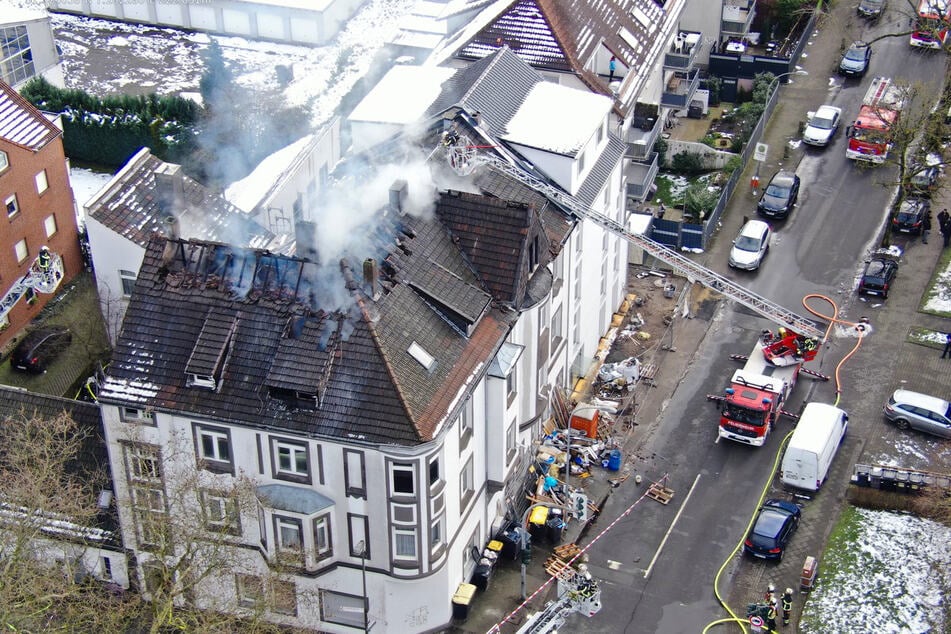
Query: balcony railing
(641, 139)
(640, 176)
(680, 89)
(683, 51)
(737, 17)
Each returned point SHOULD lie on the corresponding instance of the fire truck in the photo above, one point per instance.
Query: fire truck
(870, 133)
(758, 391)
(932, 24)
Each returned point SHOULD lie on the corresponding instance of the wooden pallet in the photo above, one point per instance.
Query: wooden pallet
(647, 373)
(660, 493)
(567, 552)
(555, 567)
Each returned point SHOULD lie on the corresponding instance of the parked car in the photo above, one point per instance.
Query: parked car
(780, 195)
(856, 59)
(775, 524)
(39, 348)
(751, 245)
(880, 270)
(924, 175)
(913, 410)
(822, 126)
(871, 9)
(911, 215)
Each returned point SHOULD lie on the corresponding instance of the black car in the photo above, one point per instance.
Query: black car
(780, 195)
(911, 215)
(871, 9)
(856, 59)
(776, 522)
(39, 347)
(880, 270)
(923, 175)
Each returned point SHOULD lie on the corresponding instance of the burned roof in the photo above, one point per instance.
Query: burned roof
(146, 191)
(389, 364)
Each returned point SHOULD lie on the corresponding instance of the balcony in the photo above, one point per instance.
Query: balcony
(643, 133)
(737, 17)
(680, 89)
(640, 176)
(683, 51)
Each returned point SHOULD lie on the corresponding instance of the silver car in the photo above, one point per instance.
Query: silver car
(914, 410)
(822, 126)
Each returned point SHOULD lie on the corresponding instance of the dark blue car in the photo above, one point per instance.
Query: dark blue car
(776, 522)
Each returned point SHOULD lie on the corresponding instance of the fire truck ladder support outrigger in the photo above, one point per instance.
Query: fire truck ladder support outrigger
(464, 157)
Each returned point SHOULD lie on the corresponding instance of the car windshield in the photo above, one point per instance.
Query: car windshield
(777, 191)
(747, 243)
(821, 122)
(769, 523)
(855, 54)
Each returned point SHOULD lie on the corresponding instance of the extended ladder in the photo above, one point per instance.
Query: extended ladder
(43, 276)
(463, 157)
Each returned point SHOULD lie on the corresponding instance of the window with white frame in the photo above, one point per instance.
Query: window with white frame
(136, 415)
(41, 183)
(576, 327)
(466, 423)
(402, 479)
(511, 383)
(322, 541)
(50, 225)
(466, 484)
(22, 251)
(510, 442)
(13, 207)
(283, 597)
(342, 609)
(291, 460)
(288, 534)
(143, 463)
(220, 512)
(4, 161)
(437, 533)
(249, 590)
(579, 232)
(471, 552)
(213, 446)
(127, 280)
(435, 473)
(354, 473)
(557, 327)
(262, 526)
(404, 543)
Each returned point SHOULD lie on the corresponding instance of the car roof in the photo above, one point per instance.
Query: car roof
(914, 204)
(754, 228)
(859, 44)
(783, 177)
(931, 403)
(828, 111)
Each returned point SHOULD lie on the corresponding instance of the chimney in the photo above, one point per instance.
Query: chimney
(305, 233)
(172, 236)
(398, 195)
(371, 278)
(170, 188)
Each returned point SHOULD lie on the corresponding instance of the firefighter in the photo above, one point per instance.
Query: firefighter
(787, 605)
(44, 258)
(771, 616)
(769, 595)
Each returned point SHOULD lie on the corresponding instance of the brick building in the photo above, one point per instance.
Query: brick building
(39, 211)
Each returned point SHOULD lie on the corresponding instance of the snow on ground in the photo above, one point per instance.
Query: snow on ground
(86, 183)
(102, 56)
(940, 300)
(889, 576)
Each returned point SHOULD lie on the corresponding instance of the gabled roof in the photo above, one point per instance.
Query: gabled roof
(564, 35)
(133, 205)
(21, 123)
(293, 340)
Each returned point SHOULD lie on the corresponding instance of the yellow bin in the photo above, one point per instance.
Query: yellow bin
(539, 515)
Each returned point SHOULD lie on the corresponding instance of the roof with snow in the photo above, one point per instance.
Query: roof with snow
(250, 337)
(565, 35)
(21, 123)
(563, 128)
(136, 204)
(249, 192)
(403, 95)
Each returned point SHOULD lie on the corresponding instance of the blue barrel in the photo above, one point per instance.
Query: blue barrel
(614, 462)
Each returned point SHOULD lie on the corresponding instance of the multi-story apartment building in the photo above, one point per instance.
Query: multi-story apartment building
(39, 213)
(28, 47)
(374, 396)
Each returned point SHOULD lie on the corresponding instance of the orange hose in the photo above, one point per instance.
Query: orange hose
(834, 319)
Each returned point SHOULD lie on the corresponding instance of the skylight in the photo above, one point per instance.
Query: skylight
(425, 359)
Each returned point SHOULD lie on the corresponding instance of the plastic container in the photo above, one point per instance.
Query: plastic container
(615, 460)
(462, 600)
(556, 529)
(480, 578)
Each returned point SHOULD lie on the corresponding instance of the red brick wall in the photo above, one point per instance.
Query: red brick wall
(29, 223)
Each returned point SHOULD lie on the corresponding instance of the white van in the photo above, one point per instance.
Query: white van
(817, 437)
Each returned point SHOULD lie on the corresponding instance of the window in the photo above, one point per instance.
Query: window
(533, 254)
(404, 543)
(466, 423)
(557, 329)
(289, 534)
(291, 460)
(353, 473)
(136, 415)
(127, 280)
(213, 445)
(41, 183)
(143, 463)
(22, 251)
(12, 206)
(436, 533)
(359, 528)
(105, 568)
(148, 499)
(511, 383)
(250, 590)
(284, 597)
(322, 543)
(262, 526)
(342, 609)
(434, 478)
(4, 161)
(466, 483)
(510, 440)
(402, 479)
(220, 512)
(50, 225)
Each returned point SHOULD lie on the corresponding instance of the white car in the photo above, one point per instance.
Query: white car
(751, 245)
(822, 126)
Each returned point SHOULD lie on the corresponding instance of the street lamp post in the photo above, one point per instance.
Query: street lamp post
(362, 546)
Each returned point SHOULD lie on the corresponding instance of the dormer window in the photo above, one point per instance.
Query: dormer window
(200, 380)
